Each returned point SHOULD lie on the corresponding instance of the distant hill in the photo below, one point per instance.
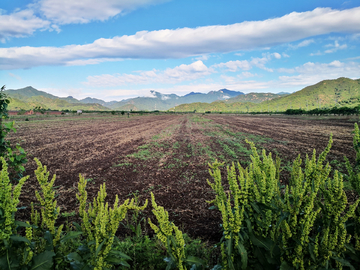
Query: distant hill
(327, 93)
(25, 93)
(27, 98)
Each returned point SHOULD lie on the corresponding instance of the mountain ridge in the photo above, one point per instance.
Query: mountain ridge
(158, 101)
(326, 93)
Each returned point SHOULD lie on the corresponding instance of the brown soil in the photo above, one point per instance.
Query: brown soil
(94, 146)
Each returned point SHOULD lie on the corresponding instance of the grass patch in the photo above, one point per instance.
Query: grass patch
(126, 164)
(199, 119)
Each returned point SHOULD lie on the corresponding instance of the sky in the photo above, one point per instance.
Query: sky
(119, 49)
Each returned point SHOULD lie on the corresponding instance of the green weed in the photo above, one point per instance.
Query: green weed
(123, 164)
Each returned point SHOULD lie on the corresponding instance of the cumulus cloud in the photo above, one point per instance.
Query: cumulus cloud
(84, 11)
(185, 42)
(20, 23)
(171, 75)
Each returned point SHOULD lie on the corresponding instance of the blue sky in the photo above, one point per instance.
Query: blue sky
(117, 49)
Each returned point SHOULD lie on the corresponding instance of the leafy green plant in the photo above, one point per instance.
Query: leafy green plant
(99, 225)
(14, 155)
(354, 179)
(9, 199)
(172, 239)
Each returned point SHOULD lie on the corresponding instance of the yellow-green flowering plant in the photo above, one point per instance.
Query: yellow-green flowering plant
(49, 211)
(354, 179)
(248, 211)
(9, 240)
(172, 239)
(165, 233)
(99, 225)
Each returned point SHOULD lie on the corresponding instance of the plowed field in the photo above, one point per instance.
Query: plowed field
(167, 155)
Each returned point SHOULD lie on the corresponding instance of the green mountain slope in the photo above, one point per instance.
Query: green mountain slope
(328, 93)
(54, 104)
(25, 93)
(253, 97)
(70, 99)
(27, 98)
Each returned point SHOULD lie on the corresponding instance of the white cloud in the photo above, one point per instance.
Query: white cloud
(234, 65)
(316, 53)
(353, 58)
(277, 55)
(335, 47)
(228, 79)
(185, 42)
(355, 36)
(17, 77)
(23, 23)
(260, 62)
(19, 24)
(96, 61)
(171, 75)
(303, 43)
(247, 74)
(84, 11)
(203, 57)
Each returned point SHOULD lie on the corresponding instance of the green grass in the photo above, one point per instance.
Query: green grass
(199, 119)
(126, 164)
(233, 144)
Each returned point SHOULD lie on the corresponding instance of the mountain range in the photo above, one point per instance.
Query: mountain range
(29, 97)
(327, 93)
